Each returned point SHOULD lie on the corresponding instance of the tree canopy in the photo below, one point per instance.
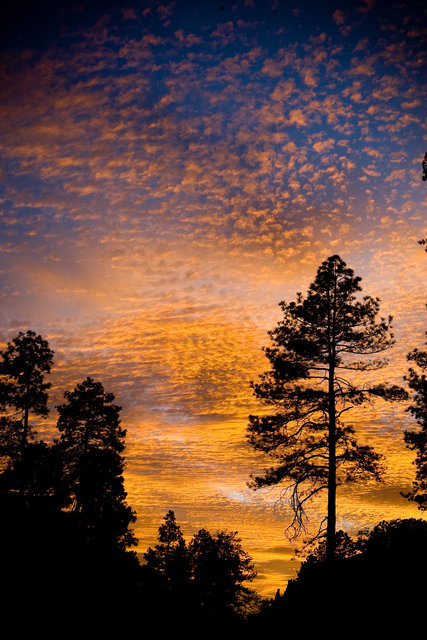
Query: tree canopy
(23, 390)
(169, 557)
(91, 444)
(207, 574)
(220, 566)
(320, 341)
(417, 440)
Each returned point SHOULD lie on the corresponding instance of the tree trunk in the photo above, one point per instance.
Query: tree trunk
(332, 468)
(25, 420)
(332, 473)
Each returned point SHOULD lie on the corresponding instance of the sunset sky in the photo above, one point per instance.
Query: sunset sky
(169, 172)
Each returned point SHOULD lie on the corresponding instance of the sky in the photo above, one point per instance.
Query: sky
(171, 171)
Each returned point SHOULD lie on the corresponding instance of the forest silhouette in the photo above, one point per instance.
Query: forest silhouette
(67, 543)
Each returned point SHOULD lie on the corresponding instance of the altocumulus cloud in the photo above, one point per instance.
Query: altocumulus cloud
(169, 173)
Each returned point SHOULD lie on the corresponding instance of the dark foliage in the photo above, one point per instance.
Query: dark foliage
(23, 390)
(202, 582)
(54, 579)
(345, 547)
(91, 444)
(37, 477)
(378, 587)
(219, 567)
(417, 440)
(64, 525)
(169, 560)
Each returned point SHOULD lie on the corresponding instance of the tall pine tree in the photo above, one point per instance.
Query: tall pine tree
(23, 390)
(314, 348)
(91, 445)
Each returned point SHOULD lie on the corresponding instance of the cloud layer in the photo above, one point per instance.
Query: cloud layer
(168, 175)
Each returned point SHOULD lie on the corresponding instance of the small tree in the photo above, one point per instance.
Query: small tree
(91, 444)
(399, 538)
(23, 390)
(202, 580)
(320, 337)
(219, 568)
(169, 559)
